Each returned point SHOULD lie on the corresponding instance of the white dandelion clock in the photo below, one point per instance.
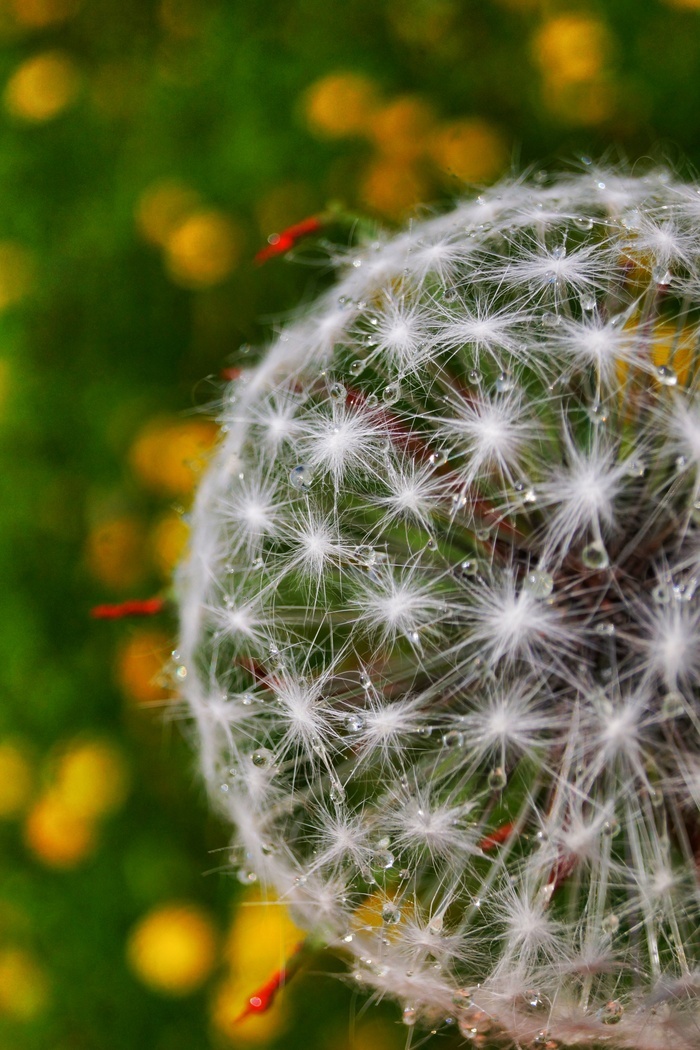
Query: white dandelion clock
(440, 616)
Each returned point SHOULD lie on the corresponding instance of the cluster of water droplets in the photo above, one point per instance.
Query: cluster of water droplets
(440, 629)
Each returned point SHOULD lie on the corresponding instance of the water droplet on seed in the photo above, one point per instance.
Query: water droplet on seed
(672, 705)
(583, 222)
(338, 392)
(262, 758)
(497, 779)
(504, 383)
(539, 584)
(372, 401)
(300, 477)
(383, 858)
(391, 914)
(588, 303)
(452, 738)
(409, 1015)
(595, 556)
(612, 1012)
(391, 393)
(354, 723)
(666, 376)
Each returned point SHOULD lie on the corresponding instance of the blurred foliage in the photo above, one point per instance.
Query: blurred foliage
(147, 150)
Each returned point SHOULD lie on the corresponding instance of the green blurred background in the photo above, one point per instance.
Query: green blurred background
(147, 150)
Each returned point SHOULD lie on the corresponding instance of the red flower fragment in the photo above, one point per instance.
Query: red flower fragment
(262, 999)
(134, 607)
(279, 243)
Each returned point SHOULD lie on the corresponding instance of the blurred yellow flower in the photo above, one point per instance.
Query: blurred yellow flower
(114, 552)
(168, 543)
(24, 988)
(203, 250)
(162, 207)
(400, 129)
(17, 273)
(140, 666)
(261, 940)
(469, 148)
(173, 948)
(676, 347)
(55, 834)
(16, 779)
(392, 187)
(341, 104)
(167, 454)
(571, 48)
(36, 14)
(42, 87)
(91, 778)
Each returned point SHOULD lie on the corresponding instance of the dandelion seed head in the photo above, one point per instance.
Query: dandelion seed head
(440, 615)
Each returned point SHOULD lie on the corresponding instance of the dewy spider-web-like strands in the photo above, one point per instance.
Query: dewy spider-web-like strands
(440, 621)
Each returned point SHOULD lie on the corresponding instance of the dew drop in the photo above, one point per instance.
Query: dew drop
(354, 723)
(469, 567)
(610, 923)
(438, 458)
(539, 584)
(431, 544)
(595, 556)
(372, 401)
(662, 276)
(338, 392)
(525, 492)
(267, 849)
(473, 376)
(247, 699)
(449, 294)
(391, 393)
(635, 468)
(660, 594)
(176, 655)
(452, 738)
(181, 672)
(588, 303)
(504, 383)
(672, 705)
(300, 477)
(383, 858)
(612, 1012)
(344, 302)
(611, 827)
(534, 1000)
(559, 252)
(262, 758)
(409, 1015)
(246, 877)
(365, 680)
(666, 376)
(391, 914)
(463, 998)
(357, 366)
(583, 222)
(337, 792)
(597, 413)
(497, 779)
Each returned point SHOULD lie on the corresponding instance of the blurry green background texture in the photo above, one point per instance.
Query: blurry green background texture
(148, 149)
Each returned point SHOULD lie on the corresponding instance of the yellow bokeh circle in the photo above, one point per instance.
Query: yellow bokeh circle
(203, 250)
(341, 104)
(173, 948)
(42, 87)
